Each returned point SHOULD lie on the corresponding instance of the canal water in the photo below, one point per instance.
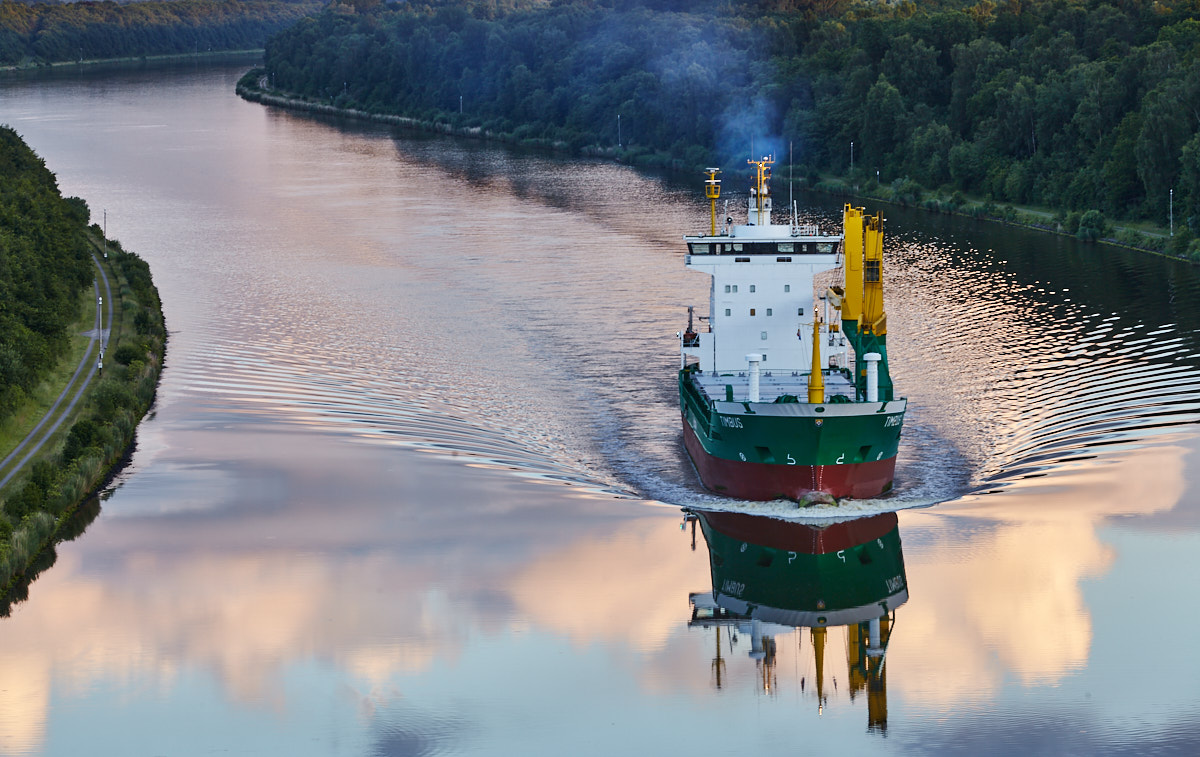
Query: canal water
(414, 481)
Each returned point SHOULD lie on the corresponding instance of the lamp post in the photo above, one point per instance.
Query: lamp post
(618, 130)
(851, 157)
(1172, 212)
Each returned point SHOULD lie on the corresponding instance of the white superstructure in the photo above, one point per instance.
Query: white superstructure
(762, 297)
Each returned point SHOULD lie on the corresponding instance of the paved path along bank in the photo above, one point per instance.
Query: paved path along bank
(56, 414)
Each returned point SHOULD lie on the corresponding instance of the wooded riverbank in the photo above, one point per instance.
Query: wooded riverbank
(68, 457)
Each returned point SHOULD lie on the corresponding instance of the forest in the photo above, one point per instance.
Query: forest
(44, 265)
(44, 33)
(1079, 105)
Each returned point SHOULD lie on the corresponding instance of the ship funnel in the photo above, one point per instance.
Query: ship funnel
(872, 359)
(753, 359)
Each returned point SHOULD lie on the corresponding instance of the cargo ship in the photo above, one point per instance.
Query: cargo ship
(784, 387)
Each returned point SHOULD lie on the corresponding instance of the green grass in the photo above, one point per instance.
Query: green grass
(17, 426)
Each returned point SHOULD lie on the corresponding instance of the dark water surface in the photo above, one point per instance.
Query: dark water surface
(412, 483)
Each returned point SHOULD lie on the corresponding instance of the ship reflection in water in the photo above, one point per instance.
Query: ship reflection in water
(771, 577)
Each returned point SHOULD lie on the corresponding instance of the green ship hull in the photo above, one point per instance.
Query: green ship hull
(763, 451)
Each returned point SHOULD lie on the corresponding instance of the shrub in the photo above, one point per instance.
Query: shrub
(127, 353)
(1131, 238)
(1092, 226)
(906, 191)
(28, 499)
(111, 396)
(1178, 244)
(82, 435)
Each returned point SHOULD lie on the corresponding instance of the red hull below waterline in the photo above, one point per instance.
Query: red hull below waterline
(767, 481)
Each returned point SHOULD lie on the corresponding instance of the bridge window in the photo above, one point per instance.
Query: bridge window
(741, 260)
(785, 247)
(764, 336)
(768, 311)
(787, 287)
(751, 311)
(799, 311)
(728, 311)
(783, 260)
(751, 289)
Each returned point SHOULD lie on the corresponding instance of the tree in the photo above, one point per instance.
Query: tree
(883, 121)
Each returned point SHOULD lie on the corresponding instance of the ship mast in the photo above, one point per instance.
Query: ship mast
(712, 190)
(760, 213)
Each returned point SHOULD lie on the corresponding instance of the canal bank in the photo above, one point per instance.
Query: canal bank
(1090, 226)
(83, 438)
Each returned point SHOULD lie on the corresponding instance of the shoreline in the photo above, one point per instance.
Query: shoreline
(1044, 219)
(255, 93)
(137, 349)
(1005, 214)
(131, 61)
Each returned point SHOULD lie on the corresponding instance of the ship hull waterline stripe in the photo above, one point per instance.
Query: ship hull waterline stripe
(768, 481)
